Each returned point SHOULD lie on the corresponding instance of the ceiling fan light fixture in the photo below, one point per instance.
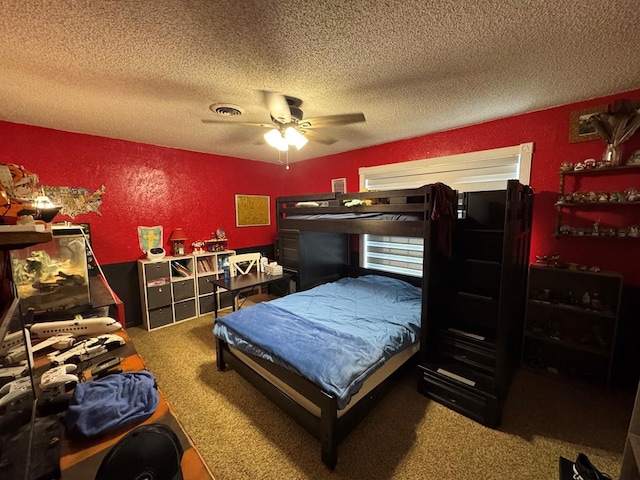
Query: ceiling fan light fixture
(276, 140)
(295, 138)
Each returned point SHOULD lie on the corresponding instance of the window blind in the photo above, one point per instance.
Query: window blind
(469, 172)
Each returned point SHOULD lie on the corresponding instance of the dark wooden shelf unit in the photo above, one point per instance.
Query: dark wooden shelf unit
(562, 204)
(567, 334)
(473, 345)
(312, 258)
(603, 171)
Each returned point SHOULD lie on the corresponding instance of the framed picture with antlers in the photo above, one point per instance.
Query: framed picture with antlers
(580, 127)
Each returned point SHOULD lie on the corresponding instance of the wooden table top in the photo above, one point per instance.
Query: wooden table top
(80, 459)
(251, 279)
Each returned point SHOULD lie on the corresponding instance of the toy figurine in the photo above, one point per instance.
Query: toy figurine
(198, 246)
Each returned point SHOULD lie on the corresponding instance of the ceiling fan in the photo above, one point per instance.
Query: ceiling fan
(289, 128)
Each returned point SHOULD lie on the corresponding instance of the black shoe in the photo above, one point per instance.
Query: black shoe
(583, 469)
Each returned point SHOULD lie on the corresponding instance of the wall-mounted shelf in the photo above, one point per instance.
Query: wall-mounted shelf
(603, 171)
(15, 240)
(216, 244)
(563, 204)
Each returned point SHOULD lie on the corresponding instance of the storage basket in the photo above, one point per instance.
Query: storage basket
(273, 269)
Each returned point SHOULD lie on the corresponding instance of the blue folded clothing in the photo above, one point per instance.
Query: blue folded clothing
(111, 402)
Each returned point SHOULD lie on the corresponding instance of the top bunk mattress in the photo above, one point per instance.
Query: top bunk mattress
(335, 335)
(395, 217)
(406, 212)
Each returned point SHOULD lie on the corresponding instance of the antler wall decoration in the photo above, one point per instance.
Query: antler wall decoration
(616, 128)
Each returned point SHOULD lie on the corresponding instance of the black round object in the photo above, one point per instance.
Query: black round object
(148, 452)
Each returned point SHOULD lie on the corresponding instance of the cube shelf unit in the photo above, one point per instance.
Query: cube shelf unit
(167, 291)
(208, 266)
(173, 289)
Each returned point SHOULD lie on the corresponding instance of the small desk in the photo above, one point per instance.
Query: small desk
(240, 282)
(80, 459)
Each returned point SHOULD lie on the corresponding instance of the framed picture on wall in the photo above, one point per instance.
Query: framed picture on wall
(580, 127)
(339, 185)
(252, 210)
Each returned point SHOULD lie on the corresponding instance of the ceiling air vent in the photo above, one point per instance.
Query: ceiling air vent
(226, 109)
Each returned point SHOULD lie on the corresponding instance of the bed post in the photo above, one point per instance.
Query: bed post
(220, 354)
(328, 434)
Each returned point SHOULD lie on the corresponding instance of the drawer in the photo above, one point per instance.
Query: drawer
(186, 309)
(207, 304)
(157, 270)
(226, 300)
(466, 352)
(290, 249)
(158, 296)
(462, 401)
(205, 286)
(160, 316)
(183, 289)
(289, 258)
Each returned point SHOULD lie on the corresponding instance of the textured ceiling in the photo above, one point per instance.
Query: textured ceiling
(147, 71)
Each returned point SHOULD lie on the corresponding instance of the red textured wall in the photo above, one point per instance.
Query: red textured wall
(549, 130)
(145, 186)
(149, 185)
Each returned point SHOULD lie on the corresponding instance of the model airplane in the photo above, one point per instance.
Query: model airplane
(58, 335)
(76, 327)
(11, 341)
(19, 353)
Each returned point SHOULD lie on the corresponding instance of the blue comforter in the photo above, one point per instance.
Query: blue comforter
(335, 334)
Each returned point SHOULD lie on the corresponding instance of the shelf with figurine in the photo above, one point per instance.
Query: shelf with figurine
(593, 167)
(581, 343)
(630, 196)
(217, 243)
(631, 232)
(571, 319)
(597, 199)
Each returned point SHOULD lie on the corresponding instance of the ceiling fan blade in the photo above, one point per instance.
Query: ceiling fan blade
(318, 137)
(250, 124)
(332, 120)
(278, 106)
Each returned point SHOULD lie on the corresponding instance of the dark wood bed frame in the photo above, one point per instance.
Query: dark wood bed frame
(330, 429)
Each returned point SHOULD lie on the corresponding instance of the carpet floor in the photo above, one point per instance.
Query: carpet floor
(242, 435)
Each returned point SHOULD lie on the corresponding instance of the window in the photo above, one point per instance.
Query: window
(468, 172)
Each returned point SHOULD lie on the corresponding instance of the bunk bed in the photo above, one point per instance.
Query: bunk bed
(426, 212)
